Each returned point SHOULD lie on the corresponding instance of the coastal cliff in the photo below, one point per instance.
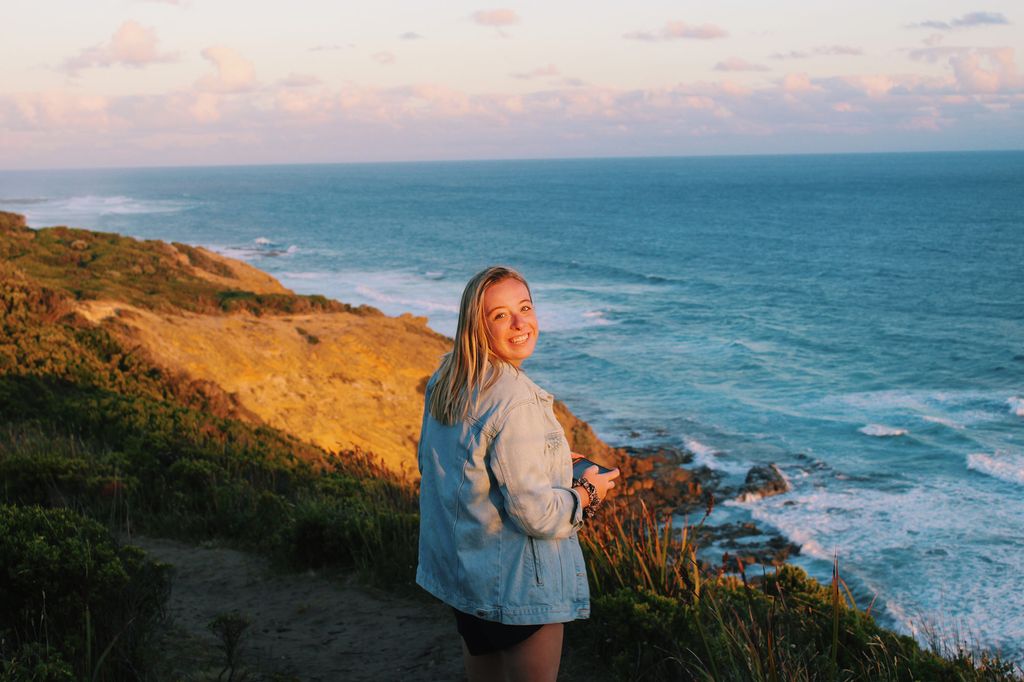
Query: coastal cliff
(340, 377)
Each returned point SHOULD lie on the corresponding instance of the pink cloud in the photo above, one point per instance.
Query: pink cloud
(738, 64)
(679, 30)
(980, 90)
(986, 70)
(539, 72)
(233, 73)
(495, 17)
(131, 45)
(385, 58)
(798, 82)
(61, 110)
(205, 108)
(976, 69)
(298, 80)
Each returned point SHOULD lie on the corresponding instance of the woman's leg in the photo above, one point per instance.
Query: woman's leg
(536, 658)
(483, 668)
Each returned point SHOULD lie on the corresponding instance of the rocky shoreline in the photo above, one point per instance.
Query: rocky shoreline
(658, 476)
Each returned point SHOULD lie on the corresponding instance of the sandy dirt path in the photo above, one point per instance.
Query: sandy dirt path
(303, 626)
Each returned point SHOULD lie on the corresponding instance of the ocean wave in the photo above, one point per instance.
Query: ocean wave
(942, 420)
(1016, 404)
(797, 532)
(88, 210)
(26, 201)
(1001, 465)
(955, 407)
(757, 347)
(707, 456)
(596, 317)
(261, 247)
(882, 431)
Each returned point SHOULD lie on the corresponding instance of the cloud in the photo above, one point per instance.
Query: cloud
(131, 45)
(57, 110)
(989, 70)
(974, 98)
(234, 73)
(798, 82)
(298, 80)
(495, 17)
(410, 35)
(976, 70)
(821, 50)
(678, 30)
(539, 72)
(384, 57)
(738, 64)
(966, 21)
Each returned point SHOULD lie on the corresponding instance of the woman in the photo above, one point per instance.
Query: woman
(498, 510)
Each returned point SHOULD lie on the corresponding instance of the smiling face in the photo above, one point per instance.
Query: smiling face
(510, 320)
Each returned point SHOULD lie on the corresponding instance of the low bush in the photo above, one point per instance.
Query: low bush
(72, 597)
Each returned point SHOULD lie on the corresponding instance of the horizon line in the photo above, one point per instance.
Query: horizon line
(514, 159)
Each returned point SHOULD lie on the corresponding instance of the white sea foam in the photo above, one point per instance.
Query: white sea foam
(1002, 465)
(263, 241)
(882, 431)
(707, 456)
(1016, 404)
(942, 420)
(892, 538)
(84, 210)
(596, 317)
(418, 303)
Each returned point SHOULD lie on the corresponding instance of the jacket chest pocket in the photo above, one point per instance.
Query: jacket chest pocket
(555, 453)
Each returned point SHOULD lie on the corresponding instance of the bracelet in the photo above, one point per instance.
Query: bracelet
(590, 510)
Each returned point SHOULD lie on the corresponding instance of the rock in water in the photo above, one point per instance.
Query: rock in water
(763, 480)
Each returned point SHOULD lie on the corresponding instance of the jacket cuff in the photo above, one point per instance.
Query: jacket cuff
(577, 510)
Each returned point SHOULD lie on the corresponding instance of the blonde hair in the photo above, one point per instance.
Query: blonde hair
(463, 370)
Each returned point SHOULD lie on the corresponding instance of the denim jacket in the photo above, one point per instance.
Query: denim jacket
(498, 516)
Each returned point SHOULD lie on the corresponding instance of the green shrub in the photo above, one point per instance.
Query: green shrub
(67, 586)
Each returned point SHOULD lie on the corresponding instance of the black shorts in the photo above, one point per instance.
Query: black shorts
(486, 636)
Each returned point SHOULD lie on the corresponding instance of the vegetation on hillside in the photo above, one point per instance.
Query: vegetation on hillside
(97, 440)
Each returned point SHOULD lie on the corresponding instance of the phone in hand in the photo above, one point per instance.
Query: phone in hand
(582, 464)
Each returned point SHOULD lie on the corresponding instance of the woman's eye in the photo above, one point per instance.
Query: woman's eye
(527, 308)
(499, 316)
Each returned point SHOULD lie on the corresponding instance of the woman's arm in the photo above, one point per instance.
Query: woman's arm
(519, 462)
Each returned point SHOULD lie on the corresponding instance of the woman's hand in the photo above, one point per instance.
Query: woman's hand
(602, 482)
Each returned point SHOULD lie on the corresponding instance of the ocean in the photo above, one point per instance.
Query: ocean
(856, 319)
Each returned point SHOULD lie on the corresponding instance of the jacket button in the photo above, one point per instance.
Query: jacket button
(481, 613)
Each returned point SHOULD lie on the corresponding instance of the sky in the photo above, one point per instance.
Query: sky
(113, 83)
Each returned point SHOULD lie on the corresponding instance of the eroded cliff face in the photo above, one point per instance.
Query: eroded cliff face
(339, 380)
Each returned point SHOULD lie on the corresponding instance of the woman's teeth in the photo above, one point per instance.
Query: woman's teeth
(519, 339)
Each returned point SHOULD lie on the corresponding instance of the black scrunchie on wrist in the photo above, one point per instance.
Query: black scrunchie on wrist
(590, 510)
